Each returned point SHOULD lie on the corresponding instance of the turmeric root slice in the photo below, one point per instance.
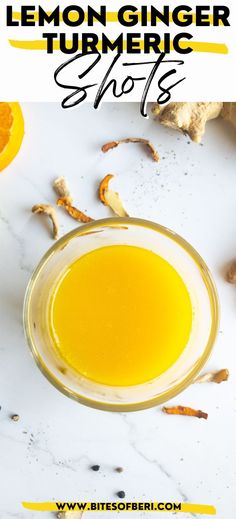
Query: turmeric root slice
(51, 213)
(111, 198)
(62, 190)
(113, 144)
(213, 376)
(185, 411)
(74, 212)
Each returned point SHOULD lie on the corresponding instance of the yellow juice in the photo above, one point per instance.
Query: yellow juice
(120, 315)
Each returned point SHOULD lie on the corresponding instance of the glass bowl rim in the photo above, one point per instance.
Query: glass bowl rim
(208, 281)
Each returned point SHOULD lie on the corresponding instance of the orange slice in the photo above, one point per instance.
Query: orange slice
(11, 132)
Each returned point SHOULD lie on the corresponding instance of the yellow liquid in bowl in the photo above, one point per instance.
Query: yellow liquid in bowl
(120, 315)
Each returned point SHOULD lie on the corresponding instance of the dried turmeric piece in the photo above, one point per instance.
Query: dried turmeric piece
(113, 144)
(103, 187)
(62, 190)
(51, 213)
(185, 411)
(65, 200)
(114, 202)
(109, 146)
(213, 376)
(231, 273)
(74, 212)
(111, 198)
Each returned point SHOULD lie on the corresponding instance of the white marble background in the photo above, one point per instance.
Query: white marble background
(46, 455)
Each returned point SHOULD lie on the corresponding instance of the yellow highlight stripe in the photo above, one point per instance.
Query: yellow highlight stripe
(197, 46)
(112, 17)
(185, 507)
(198, 509)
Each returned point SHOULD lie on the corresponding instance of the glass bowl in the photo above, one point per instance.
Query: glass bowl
(140, 233)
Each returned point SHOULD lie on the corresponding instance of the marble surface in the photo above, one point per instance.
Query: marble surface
(46, 455)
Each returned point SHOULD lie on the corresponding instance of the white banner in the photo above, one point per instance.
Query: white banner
(52, 52)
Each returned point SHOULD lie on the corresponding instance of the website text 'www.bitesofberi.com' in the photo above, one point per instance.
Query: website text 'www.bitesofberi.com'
(150, 506)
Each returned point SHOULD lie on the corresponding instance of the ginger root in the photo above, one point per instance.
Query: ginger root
(190, 118)
(229, 113)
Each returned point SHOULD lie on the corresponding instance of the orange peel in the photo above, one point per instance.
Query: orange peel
(11, 132)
